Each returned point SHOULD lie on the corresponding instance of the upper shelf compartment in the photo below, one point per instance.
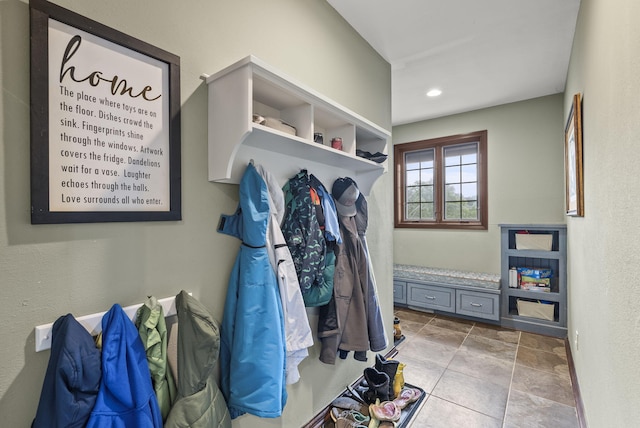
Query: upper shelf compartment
(249, 88)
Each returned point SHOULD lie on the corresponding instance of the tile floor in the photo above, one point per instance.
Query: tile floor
(480, 375)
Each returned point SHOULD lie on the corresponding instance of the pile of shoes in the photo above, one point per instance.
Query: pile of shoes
(348, 412)
(377, 157)
(380, 398)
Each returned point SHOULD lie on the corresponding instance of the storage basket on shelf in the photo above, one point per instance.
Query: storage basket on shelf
(534, 241)
(527, 308)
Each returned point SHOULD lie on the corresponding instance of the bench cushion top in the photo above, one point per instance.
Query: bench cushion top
(447, 276)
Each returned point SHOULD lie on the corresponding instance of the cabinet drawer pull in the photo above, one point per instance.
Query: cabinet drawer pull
(477, 305)
(430, 297)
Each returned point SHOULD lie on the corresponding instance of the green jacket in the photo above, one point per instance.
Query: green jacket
(153, 332)
(200, 403)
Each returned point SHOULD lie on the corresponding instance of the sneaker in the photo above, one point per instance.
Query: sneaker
(346, 423)
(349, 403)
(349, 415)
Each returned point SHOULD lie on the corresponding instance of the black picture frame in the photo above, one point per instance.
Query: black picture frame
(104, 151)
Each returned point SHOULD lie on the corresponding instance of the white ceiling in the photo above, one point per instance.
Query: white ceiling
(480, 53)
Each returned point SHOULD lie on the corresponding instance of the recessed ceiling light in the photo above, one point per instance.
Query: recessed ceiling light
(434, 92)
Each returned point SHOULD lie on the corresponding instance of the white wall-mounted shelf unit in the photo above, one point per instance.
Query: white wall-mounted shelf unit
(251, 87)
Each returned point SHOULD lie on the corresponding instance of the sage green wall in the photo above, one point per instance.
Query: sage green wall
(604, 245)
(526, 181)
(51, 270)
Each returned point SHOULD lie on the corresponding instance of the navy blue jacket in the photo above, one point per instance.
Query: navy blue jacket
(73, 376)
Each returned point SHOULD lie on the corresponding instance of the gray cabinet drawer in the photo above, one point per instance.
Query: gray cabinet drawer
(431, 297)
(399, 292)
(480, 305)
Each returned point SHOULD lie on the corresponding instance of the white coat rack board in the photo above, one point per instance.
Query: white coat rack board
(93, 322)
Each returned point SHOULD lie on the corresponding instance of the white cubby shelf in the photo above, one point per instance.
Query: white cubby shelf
(251, 87)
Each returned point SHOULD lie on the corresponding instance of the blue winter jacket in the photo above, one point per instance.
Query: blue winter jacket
(252, 348)
(126, 397)
(72, 380)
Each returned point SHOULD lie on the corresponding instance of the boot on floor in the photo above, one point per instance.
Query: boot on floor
(378, 384)
(389, 367)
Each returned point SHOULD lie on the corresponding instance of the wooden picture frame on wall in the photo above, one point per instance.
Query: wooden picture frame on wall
(574, 181)
(105, 123)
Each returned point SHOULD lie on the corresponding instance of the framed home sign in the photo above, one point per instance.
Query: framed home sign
(105, 123)
(574, 183)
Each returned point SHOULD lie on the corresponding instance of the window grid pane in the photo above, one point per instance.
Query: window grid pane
(419, 194)
(453, 211)
(426, 194)
(413, 194)
(453, 174)
(461, 182)
(470, 192)
(426, 211)
(452, 193)
(470, 210)
(412, 178)
(413, 211)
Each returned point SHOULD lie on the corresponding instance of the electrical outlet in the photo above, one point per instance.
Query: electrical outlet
(576, 342)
